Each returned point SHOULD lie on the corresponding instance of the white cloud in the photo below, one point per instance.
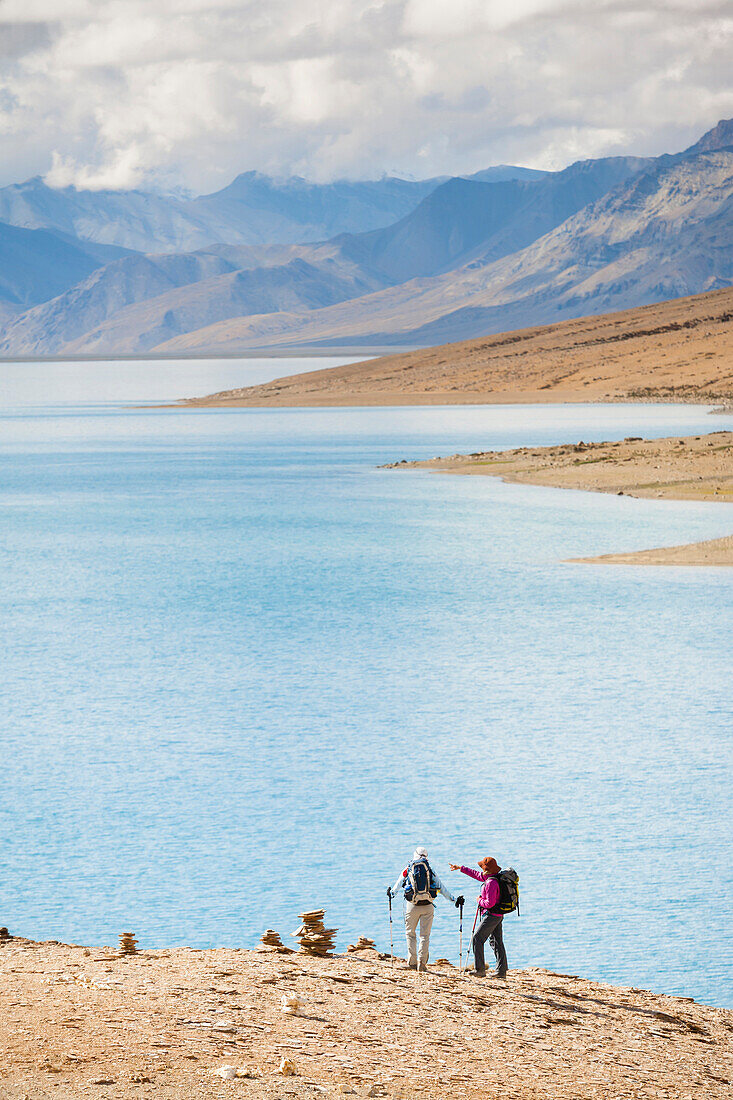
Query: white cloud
(120, 173)
(460, 18)
(129, 92)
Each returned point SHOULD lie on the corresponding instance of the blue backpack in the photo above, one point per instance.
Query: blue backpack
(420, 885)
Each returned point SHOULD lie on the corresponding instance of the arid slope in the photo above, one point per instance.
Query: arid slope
(81, 1022)
(679, 350)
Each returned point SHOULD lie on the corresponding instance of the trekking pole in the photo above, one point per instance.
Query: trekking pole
(391, 945)
(460, 939)
(473, 930)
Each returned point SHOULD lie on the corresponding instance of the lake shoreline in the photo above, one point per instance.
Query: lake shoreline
(696, 468)
(386, 400)
(710, 552)
(198, 356)
(184, 1024)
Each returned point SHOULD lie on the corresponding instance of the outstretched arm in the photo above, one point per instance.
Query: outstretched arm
(467, 871)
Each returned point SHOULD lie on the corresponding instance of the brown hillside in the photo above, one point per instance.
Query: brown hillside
(679, 350)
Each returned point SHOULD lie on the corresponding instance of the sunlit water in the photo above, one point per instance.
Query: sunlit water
(245, 672)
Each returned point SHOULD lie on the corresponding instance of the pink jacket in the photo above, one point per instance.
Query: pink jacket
(490, 893)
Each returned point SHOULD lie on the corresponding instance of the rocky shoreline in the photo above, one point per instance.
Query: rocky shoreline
(180, 1023)
(675, 468)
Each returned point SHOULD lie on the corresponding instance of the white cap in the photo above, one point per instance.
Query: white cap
(420, 853)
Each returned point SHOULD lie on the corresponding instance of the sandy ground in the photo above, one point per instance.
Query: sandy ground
(679, 350)
(82, 1022)
(676, 468)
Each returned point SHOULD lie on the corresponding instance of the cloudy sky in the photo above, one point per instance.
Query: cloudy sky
(125, 93)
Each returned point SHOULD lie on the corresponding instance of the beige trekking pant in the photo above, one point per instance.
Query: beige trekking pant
(418, 916)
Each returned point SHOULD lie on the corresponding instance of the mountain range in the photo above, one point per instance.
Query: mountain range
(290, 264)
(253, 209)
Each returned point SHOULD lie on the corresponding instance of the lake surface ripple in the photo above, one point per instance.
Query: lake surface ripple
(245, 671)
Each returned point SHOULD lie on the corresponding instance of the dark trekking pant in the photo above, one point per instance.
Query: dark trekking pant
(489, 929)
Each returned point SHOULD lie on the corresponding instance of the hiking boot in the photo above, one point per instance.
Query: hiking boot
(412, 966)
(498, 974)
(479, 973)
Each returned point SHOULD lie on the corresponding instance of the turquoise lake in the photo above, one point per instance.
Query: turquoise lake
(245, 671)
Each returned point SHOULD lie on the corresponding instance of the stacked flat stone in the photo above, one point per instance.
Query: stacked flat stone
(362, 944)
(4, 934)
(128, 944)
(271, 940)
(313, 938)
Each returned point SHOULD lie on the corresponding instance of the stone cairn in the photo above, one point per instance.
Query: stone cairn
(4, 934)
(128, 944)
(313, 938)
(362, 944)
(272, 942)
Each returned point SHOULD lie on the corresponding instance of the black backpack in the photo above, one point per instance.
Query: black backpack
(420, 885)
(508, 891)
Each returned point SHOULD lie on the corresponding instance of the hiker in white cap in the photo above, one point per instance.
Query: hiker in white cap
(421, 886)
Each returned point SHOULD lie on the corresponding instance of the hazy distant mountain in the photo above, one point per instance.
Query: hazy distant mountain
(254, 209)
(458, 220)
(36, 265)
(664, 233)
(138, 304)
(132, 219)
(109, 289)
(472, 256)
(296, 285)
(463, 219)
(501, 172)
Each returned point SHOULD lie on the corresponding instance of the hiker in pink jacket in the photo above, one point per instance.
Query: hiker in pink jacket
(491, 919)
